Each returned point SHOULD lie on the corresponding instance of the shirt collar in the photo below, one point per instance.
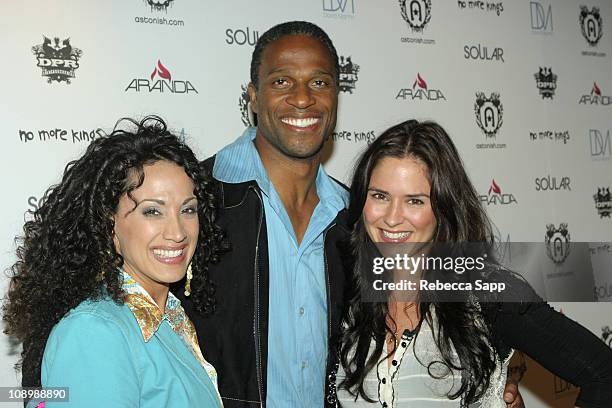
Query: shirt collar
(145, 310)
(239, 162)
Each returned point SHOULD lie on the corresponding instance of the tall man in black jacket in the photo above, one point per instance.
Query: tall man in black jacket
(279, 291)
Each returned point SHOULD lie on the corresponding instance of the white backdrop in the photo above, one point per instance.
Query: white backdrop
(544, 159)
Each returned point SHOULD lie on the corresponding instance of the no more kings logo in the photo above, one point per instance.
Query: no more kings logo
(161, 85)
(420, 91)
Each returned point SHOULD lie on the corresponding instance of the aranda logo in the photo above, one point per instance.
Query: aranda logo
(596, 97)
(603, 202)
(345, 7)
(546, 82)
(163, 84)
(244, 104)
(159, 5)
(557, 242)
(420, 91)
(552, 183)
(601, 147)
(479, 52)
(416, 13)
(496, 197)
(489, 113)
(606, 335)
(591, 24)
(348, 74)
(58, 60)
(541, 17)
(241, 37)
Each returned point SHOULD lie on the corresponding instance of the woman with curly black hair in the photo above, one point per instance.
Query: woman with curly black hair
(410, 187)
(89, 294)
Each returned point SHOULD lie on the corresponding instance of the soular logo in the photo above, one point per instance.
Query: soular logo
(417, 13)
(57, 59)
(159, 5)
(603, 202)
(546, 81)
(541, 17)
(339, 8)
(163, 84)
(591, 25)
(489, 113)
(420, 91)
(606, 335)
(596, 97)
(496, 197)
(348, 74)
(480, 52)
(601, 147)
(241, 37)
(549, 183)
(244, 104)
(557, 242)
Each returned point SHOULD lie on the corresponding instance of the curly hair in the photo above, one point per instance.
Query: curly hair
(460, 218)
(66, 254)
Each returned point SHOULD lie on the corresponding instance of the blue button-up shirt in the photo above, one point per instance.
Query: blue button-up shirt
(297, 322)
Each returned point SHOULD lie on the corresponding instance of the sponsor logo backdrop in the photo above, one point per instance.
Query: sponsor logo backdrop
(522, 86)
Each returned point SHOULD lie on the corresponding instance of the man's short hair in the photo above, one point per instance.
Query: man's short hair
(291, 28)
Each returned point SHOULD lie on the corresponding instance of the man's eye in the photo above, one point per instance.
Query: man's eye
(280, 82)
(319, 83)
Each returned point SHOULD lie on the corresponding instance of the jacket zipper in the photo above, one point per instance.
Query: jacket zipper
(256, 317)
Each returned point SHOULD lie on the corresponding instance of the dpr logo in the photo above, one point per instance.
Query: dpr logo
(603, 202)
(348, 74)
(601, 148)
(546, 81)
(58, 61)
(541, 17)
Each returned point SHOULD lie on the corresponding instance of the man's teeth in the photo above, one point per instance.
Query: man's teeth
(395, 235)
(302, 123)
(164, 253)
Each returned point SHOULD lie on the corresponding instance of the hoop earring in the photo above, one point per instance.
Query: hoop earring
(188, 281)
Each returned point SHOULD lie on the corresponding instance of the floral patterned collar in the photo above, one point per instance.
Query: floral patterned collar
(150, 317)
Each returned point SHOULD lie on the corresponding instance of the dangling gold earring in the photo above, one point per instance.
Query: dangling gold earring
(188, 281)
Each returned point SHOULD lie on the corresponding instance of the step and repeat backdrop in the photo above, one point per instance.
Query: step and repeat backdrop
(524, 87)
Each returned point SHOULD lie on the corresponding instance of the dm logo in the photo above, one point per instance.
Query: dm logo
(244, 104)
(348, 74)
(557, 242)
(489, 113)
(58, 61)
(541, 18)
(417, 13)
(591, 24)
(546, 81)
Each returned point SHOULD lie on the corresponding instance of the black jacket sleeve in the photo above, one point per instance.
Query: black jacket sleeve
(561, 345)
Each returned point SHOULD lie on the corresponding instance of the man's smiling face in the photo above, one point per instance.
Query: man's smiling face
(297, 97)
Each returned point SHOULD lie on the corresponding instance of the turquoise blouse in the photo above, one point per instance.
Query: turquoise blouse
(100, 351)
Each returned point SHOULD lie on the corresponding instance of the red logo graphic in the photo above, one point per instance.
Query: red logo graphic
(161, 71)
(420, 82)
(595, 89)
(494, 187)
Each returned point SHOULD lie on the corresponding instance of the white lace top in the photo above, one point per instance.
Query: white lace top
(405, 381)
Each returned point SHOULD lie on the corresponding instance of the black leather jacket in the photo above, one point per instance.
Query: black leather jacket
(235, 338)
